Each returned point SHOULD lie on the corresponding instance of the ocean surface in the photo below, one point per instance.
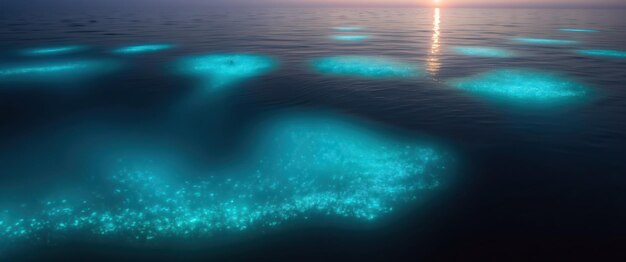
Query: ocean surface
(522, 180)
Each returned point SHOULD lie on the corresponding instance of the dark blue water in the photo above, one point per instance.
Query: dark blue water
(525, 182)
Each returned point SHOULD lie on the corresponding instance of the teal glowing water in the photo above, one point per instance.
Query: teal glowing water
(483, 51)
(545, 41)
(522, 86)
(220, 70)
(68, 70)
(349, 37)
(139, 49)
(305, 167)
(603, 52)
(55, 50)
(579, 30)
(365, 66)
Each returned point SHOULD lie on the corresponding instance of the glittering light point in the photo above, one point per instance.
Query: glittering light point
(305, 168)
(521, 85)
(348, 28)
(544, 41)
(579, 30)
(352, 38)
(55, 50)
(140, 49)
(219, 70)
(365, 66)
(61, 71)
(483, 51)
(604, 53)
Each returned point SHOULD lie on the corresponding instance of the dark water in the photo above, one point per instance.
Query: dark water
(529, 183)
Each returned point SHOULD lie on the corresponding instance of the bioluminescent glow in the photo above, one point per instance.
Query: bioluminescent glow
(140, 49)
(348, 28)
(522, 85)
(67, 70)
(579, 30)
(54, 50)
(355, 38)
(480, 51)
(604, 52)
(219, 70)
(304, 168)
(366, 66)
(544, 41)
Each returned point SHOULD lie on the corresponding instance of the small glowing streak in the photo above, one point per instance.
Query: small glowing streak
(434, 64)
(138, 49)
(52, 50)
(480, 51)
(544, 41)
(579, 30)
(60, 71)
(365, 67)
(350, 37)
(604, 53)
(348, 28)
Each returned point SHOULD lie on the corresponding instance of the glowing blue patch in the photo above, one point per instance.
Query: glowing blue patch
(219, 70)
(61, 71)
(139, 49)
(602, 52)
(365, 66)
(305, 168)
(56, 50)
(520, 85)
(579, 30)
(545, 41)
(355, 38)
(483, 51)
(348, 28)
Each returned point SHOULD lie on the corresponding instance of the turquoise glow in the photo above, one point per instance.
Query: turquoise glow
(220, 70)
(55, 50)
(306, 167)
(579, 30)
(140, 49)
(522, 85)
(483, 51)
(365, 66)
(355, 38)
(67, 70)
(545, 41)
(348, 28)
(603, 52)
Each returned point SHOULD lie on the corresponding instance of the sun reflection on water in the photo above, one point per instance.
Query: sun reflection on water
(433, 64)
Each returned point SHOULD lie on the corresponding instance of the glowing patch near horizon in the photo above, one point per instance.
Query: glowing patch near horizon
(491, 52)
(354, 38)
(545, 41)
(219, 70)
(304, 168)
(579, 30)
(603, 52)
(67, 70)
(55, 50)
(366, 66)
(139, 49)
(348, 28)
(521, 85)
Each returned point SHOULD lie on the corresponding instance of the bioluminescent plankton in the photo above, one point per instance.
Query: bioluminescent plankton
(52, 50)
(350, 38)
(544, 41)
(579, 30)
(366, 67)
(305, 167)
(55, 71)
(223, 69)
(604, 53)
(481, 51)
(348, 28)
(522, 86)
(144, 48)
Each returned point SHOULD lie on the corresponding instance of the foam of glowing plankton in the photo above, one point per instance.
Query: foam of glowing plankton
(219, 70)
(544, 41)
(579, 30)
(349, 37)
(56, 50)
(483, 51)
(365, 66)
(67, 70)
(306, 168)
(521, 85)
(139, 49)
(606, 53)
(348, 28)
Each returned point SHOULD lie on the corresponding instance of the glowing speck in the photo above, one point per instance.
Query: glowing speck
(68, 70)
(138, 49)
(545, 41)
(579, 30)
(483, 51)
(55, 50)
(603, 52)
(366, 66)
(350, 37)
